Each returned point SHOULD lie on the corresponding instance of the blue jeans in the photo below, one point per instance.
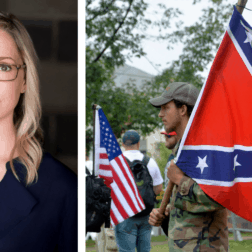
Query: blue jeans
(134, 233)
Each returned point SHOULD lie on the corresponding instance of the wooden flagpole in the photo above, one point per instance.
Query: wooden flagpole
(168, 192)
(241, 5)
(167, 195)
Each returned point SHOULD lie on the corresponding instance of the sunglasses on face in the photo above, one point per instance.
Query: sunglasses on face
(168, 136)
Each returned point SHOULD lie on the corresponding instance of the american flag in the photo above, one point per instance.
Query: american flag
(216, 148)
(114, 169)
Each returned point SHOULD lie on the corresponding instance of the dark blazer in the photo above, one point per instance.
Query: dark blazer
(41, 217)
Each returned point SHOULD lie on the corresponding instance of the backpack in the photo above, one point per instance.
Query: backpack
(97, 203)
(144, 183)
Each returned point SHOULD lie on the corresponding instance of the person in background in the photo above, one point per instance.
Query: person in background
(105, 239)
(171, 140)
(38, 193)
(135, 232)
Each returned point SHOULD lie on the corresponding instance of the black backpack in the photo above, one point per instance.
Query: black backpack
(97, 203)
(144, 183)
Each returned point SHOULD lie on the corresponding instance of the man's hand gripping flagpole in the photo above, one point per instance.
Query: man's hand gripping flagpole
(168, 192)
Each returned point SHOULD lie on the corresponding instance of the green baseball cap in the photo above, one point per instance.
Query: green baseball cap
(180, 91)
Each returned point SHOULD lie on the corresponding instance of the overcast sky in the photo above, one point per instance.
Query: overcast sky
(157, 52)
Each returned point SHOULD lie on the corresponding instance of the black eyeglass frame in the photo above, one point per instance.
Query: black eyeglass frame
(18, 67)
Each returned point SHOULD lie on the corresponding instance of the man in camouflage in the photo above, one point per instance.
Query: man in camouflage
(196, 222)
(171, 140)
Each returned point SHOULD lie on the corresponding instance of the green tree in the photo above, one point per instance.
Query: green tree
(114, 32)
(200, 40)
(163, 157)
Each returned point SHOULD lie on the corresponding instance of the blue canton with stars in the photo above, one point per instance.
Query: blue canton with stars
(107, 137)
(242, 32)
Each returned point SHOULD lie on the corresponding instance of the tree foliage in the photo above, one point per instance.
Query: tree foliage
(109, 26)
(163, 157)
(200, 41)
(115, 31)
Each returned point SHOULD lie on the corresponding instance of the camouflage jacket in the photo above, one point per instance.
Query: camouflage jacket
(197, 223)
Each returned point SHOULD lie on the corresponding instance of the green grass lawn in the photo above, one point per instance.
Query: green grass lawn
(159, 238)
(242, 234)
(240, 246)
(234, 245)
(90, 243)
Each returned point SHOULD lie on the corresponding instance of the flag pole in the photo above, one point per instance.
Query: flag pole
(241, 5)
(94, 110)
(168, 192)
(167, 195)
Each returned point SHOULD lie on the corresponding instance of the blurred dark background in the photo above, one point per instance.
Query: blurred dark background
(52, 25)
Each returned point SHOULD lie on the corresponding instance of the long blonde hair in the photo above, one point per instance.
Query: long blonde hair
(27, 113)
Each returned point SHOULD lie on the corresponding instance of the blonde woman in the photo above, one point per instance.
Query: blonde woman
(38, 194)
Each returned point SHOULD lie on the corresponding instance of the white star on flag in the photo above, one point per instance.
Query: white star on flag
(235, 162)
(202, 163)
(249, 35)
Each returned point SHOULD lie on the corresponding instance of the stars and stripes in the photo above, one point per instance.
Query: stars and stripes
(216, 149)
(113, 168)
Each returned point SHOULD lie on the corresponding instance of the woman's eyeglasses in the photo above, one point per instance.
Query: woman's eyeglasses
(9, 72)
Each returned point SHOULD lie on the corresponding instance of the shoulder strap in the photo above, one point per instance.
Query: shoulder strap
(87, 172)
(130, 163)
(146, 160)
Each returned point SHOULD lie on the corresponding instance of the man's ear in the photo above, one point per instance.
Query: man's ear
(138, 145)
(183, 110)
